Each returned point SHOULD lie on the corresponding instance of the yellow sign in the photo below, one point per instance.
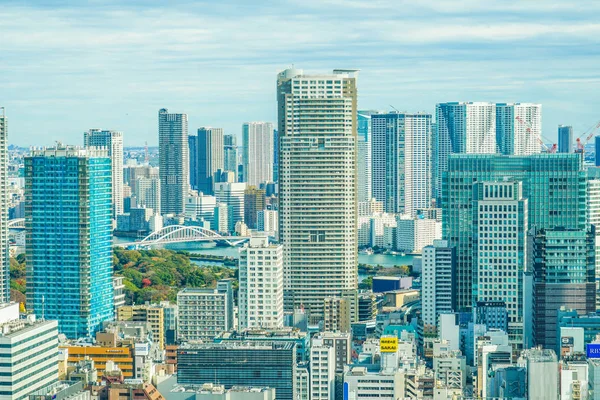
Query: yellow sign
(388, 345)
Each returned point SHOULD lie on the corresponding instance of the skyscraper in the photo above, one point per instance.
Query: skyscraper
(500, 207)
(257, 152)
(275, 155)
(565, 139)
(193, 154)
(462, 127)
(174, 161)
(233, 195)
(230, 154)
(483, 128)
(553, 184)
(364, 156)
(563, 271)
(69, 243)
(210, 157)
(518, 128)
(401, 161)
(4, 254)
(318, 190)
(113, 142)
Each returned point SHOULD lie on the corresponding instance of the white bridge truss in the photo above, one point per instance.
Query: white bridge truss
(183, 234)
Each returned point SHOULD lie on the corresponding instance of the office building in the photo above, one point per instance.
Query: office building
(173, 154)
(4, 254)
(268, 222)
(317, 183)
(232, 194)
(230, 155)
(565, 139)
(221, 217)
(507, 382)
(553, 184)
(336, 314)
(266, 364)
(382, 284)
(210, 157)
(200, 207)
(26, 369)
(119, 292)
(193, 155)
(492, 315)
(151, 314)
(365, 192)
(260, 297)
(439, 266)
(563, 275)
(147, 193)
(113, 142)
(204, 313)
(132, 173)
(322, 370)
(363, 383)
(500, 207)
(301, 339)
(412, 233)
(542, 373)
(518, 128)
(401, 161)
(342, 347)
(69, 237)
(257, 152)
(461, 127)
(254, 202)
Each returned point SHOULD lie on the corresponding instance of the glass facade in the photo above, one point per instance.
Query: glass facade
(554, 185)
(240, 364)
(69, 241)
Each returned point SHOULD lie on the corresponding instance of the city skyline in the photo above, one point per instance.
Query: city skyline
(205, 64)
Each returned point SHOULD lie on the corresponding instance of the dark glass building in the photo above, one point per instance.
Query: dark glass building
(252, 364)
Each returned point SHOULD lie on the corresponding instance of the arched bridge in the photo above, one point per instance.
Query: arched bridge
(17, 223)
(183, 234)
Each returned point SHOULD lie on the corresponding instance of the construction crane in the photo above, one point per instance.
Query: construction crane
(593, 132)
(528, 129)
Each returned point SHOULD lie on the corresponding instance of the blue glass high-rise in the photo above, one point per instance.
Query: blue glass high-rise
(69, 244)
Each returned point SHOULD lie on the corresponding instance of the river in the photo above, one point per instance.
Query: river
(385, 260)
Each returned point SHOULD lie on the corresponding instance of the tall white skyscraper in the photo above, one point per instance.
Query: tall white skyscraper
(257, 152)
(518, 128)
(113, 142)
(260, 296)
(211, 157)
(401, 161)
(318, 189)
(173, 160)
(4, 254)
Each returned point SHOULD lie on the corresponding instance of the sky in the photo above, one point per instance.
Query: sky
(68, 66)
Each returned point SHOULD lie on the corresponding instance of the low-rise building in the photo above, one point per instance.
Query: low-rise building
(152, 314)
(205, 313)
(29, 353)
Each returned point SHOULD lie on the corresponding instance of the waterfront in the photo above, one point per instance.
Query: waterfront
(385, 260)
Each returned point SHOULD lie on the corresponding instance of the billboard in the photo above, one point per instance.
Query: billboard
(388, 344)
(593, 350)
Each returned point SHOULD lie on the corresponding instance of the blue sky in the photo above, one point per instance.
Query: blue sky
(67, 67)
